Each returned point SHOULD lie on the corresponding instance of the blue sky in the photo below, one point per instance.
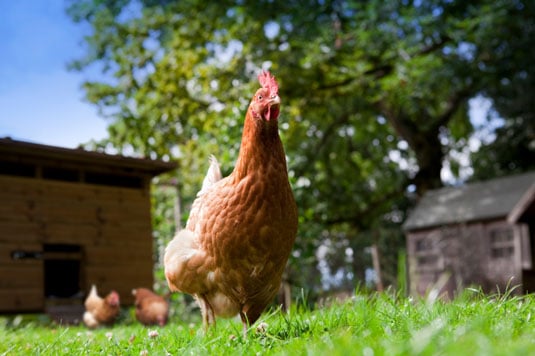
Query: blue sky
(40, 100)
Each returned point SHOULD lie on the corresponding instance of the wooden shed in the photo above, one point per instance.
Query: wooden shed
(70, 218)
(479, 234)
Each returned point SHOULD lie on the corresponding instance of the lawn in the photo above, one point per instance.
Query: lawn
(381, 324)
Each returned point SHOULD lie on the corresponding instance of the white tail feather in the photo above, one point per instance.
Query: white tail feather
(212, 176)
(93, 290)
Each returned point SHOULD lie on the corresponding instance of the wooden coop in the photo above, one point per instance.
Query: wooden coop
(71, 218)
(480, 234)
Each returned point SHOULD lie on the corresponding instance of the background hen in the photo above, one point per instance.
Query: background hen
(151, 308)
(241, 228)
(101, 311)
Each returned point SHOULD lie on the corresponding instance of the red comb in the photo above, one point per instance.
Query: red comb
(267, 81)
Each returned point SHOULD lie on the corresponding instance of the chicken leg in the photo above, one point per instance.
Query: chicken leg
(208, 317)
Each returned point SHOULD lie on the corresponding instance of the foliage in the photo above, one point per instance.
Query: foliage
(511, 151)
(374, 94)
(380, 324)
(513, 147)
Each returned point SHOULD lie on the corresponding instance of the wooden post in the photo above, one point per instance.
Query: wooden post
(178, 208)
(377, 267)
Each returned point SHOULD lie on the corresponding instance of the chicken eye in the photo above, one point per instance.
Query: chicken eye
(259, 97)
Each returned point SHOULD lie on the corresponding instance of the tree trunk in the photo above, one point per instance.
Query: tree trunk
(425, 145)
(422, 135)
(430, 157)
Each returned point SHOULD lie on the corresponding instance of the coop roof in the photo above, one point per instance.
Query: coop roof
(21, 151)
(505, 197)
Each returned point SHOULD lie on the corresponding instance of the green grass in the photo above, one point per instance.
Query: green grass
(382, 324)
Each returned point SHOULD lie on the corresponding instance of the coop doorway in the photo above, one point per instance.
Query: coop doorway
(62, 267)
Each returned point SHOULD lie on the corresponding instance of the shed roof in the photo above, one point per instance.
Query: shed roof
(492, 199)
(22, 150)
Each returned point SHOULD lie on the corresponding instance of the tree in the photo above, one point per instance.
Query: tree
(374, 93)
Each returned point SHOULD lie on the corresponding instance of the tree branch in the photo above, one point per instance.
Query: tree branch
(434, 46)
(452, 105)
(356, 218)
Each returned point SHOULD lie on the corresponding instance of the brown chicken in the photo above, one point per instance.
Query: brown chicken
(241, 229)
(101, 311)
(151, 309)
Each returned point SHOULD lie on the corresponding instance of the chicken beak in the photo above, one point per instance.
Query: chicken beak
(274, 100)
(273, 107)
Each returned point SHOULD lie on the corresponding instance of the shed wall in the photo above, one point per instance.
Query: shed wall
(488, 254)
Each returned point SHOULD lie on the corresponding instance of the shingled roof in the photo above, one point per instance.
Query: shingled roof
(504, 197)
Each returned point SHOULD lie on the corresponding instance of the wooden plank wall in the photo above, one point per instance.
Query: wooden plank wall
(111, 224)
(21, 282)
(463, 251)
